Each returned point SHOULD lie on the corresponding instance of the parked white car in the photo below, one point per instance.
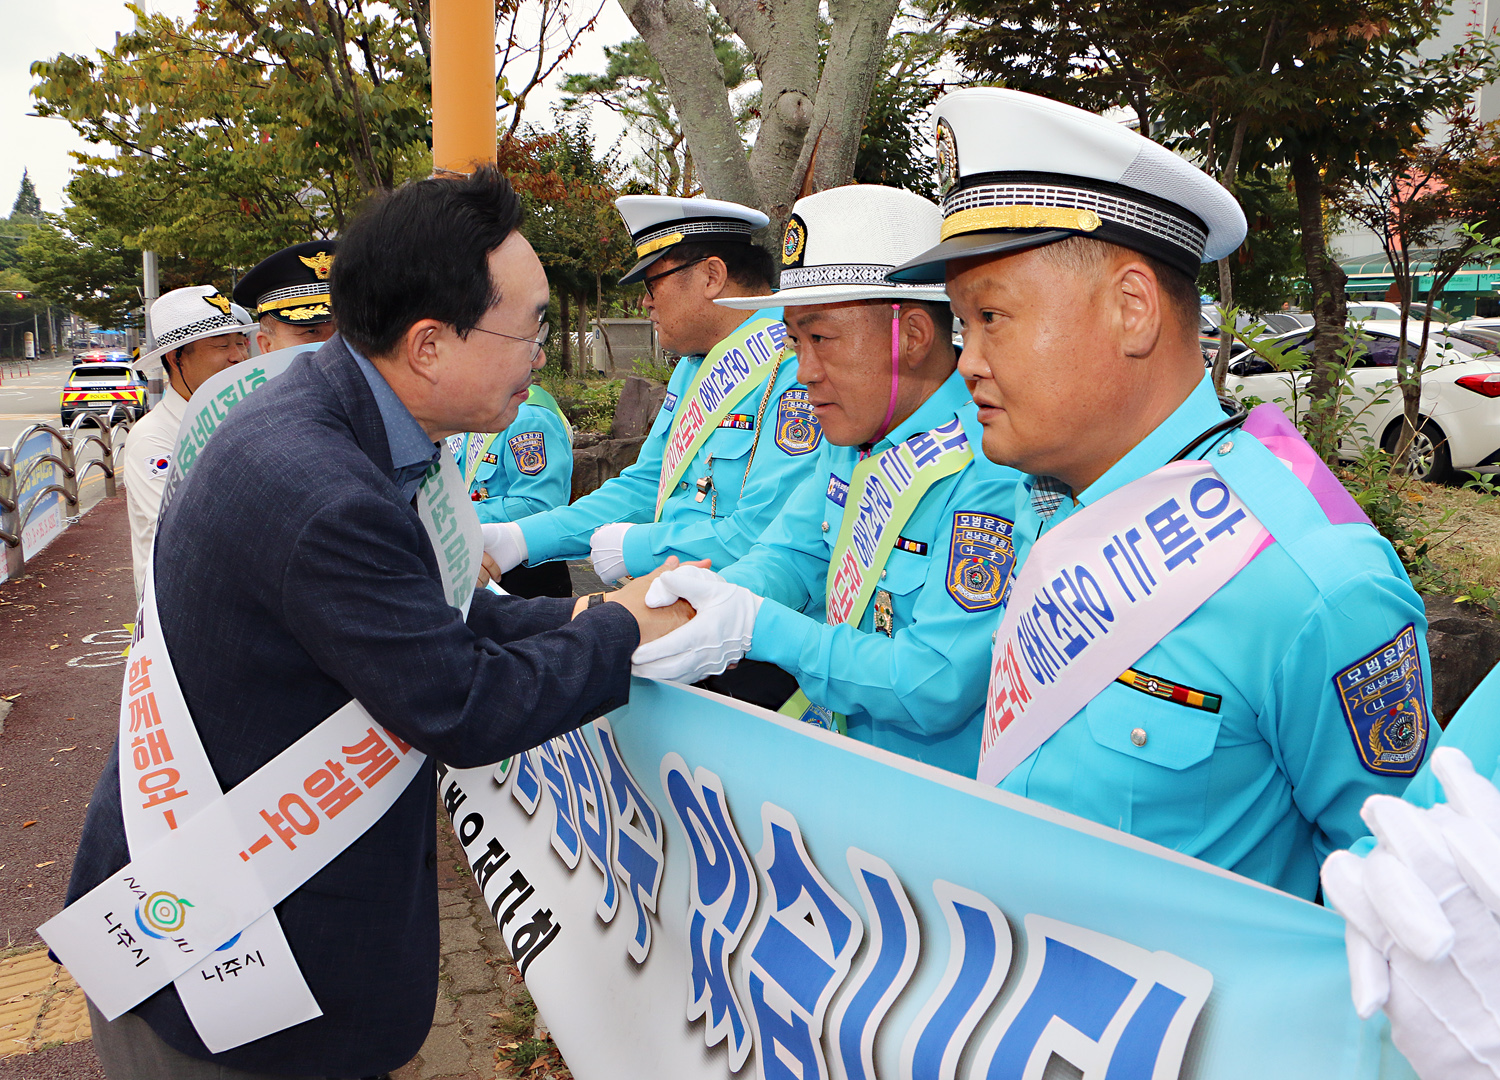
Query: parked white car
(1460, 402)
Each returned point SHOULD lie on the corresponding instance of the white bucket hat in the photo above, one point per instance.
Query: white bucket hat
(841, 244)
(190, 314)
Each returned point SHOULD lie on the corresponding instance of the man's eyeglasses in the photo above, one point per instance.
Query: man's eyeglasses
(538, 340)
(653, 279)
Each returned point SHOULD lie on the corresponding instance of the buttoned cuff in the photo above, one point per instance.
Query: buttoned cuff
(544, 539)
(779, 636)
(640, 557)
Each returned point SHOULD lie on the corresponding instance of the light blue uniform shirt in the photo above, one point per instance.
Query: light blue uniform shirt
(740, 505)
(528, 469)
(919, 692)
(1272, 782)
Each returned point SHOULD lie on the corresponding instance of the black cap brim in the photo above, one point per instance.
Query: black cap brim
(929, 268)
(638, 271)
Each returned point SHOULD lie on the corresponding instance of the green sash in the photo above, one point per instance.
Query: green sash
(732, 368)
(884, 492)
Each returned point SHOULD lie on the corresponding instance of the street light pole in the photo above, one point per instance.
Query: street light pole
(463, 85)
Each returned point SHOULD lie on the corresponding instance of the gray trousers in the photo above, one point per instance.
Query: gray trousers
(129, 1050)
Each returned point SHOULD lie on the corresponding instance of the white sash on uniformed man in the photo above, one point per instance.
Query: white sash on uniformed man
(234, 971)
(1099, 591)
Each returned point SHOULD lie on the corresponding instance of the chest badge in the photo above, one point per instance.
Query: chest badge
(980, 560)
(1167, 690)
(797, 429)
(885, 617)
(1385, 704)
(530, 451)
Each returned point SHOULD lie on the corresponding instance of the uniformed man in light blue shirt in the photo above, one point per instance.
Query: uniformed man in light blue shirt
(525, 469)
(734, 436)
(1248, 733)
(884, 575)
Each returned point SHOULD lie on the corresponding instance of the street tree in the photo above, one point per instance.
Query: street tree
(568, 193)
(812, 102)
(631, 85)
(27, 206)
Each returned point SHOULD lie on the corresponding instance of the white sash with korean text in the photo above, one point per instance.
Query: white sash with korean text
(202, 860)
(1099, 591)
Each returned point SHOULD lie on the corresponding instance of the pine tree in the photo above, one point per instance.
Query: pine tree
(27, 204)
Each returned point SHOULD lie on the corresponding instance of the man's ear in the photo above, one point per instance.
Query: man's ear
(1138, 298)
(421, 346)
(918, 332)
(716, 277)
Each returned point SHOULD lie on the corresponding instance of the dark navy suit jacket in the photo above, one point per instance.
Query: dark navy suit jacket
(291, 576)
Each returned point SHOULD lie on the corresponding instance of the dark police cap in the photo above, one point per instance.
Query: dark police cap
(291, 285)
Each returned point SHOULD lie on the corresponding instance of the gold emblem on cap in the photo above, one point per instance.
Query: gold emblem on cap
(656, 245)
(217, 300)
(319, 264)
(1019, 217)
(302, 314)
(947, 156)
(793, 241)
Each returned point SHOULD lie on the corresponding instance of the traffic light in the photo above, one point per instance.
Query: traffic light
(22, 294)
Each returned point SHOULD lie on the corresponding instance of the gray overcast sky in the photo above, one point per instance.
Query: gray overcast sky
(35, 31)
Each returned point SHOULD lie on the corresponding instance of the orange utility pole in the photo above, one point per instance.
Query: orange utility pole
(463, 84)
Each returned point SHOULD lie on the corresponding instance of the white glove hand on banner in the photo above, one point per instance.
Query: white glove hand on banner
(717, 636)
(504, 543)
(1422, 915)
(607, 549)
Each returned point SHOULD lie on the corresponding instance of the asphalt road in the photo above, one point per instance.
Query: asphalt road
(27, 399)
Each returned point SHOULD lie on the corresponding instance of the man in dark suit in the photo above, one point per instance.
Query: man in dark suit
(293, 573)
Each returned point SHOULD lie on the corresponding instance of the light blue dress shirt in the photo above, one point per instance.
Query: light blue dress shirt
(411, 450)
(1272, 781)
(744, 497)
(920, 691)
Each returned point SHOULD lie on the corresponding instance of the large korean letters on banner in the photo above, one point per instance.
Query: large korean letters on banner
(694, 887)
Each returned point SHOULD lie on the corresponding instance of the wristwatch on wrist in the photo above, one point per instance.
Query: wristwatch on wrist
(595, 599)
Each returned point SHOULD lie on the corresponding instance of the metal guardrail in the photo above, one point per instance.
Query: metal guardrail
(69, 443)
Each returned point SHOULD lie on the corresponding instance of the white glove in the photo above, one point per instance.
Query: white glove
(504, 542)
(607, 549)
(715, 637)
(1422, 915)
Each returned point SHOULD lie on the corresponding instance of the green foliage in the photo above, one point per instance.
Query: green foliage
(893, 143)
(1268, 266)
(27, 205)
(528, 1051)
(588, 403)
(255, 124)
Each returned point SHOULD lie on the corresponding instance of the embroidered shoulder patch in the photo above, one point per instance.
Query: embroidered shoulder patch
(159, 463)
(1385, 703)
(797, 429)
(838, 490)
(530, 451)
(980, 560)
(669, 402)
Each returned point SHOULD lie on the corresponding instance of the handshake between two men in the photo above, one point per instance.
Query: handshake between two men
(693, 623)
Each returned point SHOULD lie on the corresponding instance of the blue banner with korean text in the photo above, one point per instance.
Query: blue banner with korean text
(696, 887)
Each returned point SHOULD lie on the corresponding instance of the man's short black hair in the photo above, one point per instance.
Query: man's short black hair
(421, 252)
(749, 265)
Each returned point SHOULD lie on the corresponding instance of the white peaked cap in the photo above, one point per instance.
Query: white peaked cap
(1018, 171)
(841, 245)
(189, 314)
(658, 223)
